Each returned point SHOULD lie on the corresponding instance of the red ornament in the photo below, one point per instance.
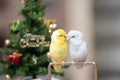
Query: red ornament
(15, 58)
(25, 1)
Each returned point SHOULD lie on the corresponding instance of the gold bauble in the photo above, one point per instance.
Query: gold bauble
(7, 77)
(50, 31)
(47, 22)
(53, 26)
(48, 55)
(7, 42)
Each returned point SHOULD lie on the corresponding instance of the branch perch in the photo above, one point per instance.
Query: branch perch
(71, 63)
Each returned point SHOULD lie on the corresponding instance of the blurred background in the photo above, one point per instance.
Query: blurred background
(98, 20)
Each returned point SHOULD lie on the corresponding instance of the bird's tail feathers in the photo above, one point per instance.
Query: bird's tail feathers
(80, 66)
(57, 68)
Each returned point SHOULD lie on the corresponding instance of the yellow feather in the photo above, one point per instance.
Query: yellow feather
(57, 68)
(58, 51)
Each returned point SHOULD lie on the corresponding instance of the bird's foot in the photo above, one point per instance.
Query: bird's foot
(63, 63)
(73, 62)
(55, 63)
(85, 64)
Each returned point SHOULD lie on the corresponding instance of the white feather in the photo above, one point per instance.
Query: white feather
(77, 46)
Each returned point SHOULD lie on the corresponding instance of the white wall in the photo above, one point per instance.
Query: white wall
(8, 13)
(107, 29)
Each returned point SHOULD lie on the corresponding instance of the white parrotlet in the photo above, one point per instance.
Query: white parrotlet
(58, 48)
(77, 47)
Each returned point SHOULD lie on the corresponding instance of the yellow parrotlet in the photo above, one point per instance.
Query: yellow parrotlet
(58, 48)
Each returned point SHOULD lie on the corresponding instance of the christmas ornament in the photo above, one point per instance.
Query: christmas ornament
(58, 48)
(48, 55)
(14, 26)
(47, 22)
(53, 26)
(50, 24)
(78, 47)
(25, 1)
(50, 31)
(15, 58)
(33, 41)
(7, 42)
(7, 77)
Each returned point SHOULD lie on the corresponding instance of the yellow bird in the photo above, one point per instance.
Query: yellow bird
(58, 48)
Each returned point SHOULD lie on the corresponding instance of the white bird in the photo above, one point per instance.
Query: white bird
(77, 47)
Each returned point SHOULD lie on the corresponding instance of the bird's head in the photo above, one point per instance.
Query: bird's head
(59, 36)
(74, 36)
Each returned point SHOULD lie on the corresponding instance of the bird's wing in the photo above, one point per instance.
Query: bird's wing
(58, 52)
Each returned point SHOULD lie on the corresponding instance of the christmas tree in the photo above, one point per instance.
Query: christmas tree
(25, 52)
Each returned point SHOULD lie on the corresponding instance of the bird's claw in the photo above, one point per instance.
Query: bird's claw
(63, 63)
(55, 63)
(73, 62)
(85, 63)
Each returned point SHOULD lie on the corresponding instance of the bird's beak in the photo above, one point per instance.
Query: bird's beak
(67, 37)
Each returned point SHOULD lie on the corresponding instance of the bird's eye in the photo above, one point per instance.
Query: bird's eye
(73, 36)
(61, 35)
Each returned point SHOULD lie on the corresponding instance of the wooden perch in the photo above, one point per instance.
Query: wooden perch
(71, 63)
